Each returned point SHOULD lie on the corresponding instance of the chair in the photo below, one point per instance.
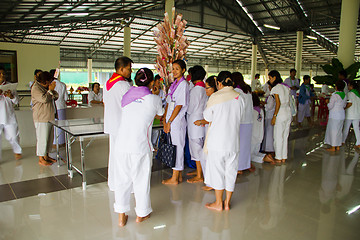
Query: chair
(323, 111)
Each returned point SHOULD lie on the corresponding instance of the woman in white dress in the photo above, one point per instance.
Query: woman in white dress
(336, 105)
(133, 152)
(246, 121)
(177, 102)
(282, 115)
(352, 113)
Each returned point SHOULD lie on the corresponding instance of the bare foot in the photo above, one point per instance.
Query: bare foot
(252, 168)
(123, 220)
(226, 206)
(206, 188)
(332, 149)
(195, 179)
(170, 181)
(337, 148)
(240, 172)
(180, 178)
(49, 159)
(283, 160)
(18, 156)
(215, 206)
(43, 162)
(268, 158)
(193, 173)
(141, 219)
(278, 161)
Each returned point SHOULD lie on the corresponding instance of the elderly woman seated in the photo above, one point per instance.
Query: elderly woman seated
(95, 96)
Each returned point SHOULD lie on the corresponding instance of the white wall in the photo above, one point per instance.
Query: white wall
(31, 57)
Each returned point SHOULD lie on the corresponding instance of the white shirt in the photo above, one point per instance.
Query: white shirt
(223, 134)
(195, 111)
(284, 96)
(93, 96)
(60, 88)
(7, 113)
(336, 107)
(134, 133)
(293, 83)
(270, 107)
(112, 106)
(266, 89)
(247, 116)
(181, 96)
(353, 112)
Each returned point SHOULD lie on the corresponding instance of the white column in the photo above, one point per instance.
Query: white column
(253, 65)
(207, 70)
(311, 73)
(127, 41)
(299, 46)
(169, 4)
(89, 65)
(347, 34)
(266, 75)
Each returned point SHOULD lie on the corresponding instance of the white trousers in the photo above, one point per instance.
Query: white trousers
(43, 138)
(355, 123)
(111, 174)
(333, 134)
(281, 135)
(178, 139)
(221, 170)
(196, 148)
(245, 146)
(61, 113)
(256, 155)
(11, 133)
(303, 111)
(133, 171)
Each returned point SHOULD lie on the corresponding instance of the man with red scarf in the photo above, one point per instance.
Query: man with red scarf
(114, 90)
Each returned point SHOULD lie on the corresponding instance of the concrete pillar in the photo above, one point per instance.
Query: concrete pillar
(207, 70)
(299, 46)
(127, 41)
(253, 65)
(89, 65)
(266, 75)
(169, 4)
(347, 34)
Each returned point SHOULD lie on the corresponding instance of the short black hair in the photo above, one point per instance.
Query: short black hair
(197, 73)
(2, 68)
(122, 62)
(257, 75)
(144, 77)
(211, 81)
(157, 77)
(343, 73)
(292, 70)
(340, 85)
(354, 84)
(52, 72)
(181, 63)
(255, 99)
(37, 71)
(190, 70)
(305, 77)
(93, 85)
(275, 73)
(44, 77)
(225, 78)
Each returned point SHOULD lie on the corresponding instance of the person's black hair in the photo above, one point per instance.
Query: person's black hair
(93, 85)
(157, 77)
(275, 73)
(45, 77)
(343, 73)
(292, 70)
(52, 72)
(257, 75)
(122, 62)
(340, 85)
(2, 68)
(197, 73)
(305, 77)
(238, 79)
(256, 100)
(37, 71)
(144, 77)
(354, 84)
(190, 70)
(225, 78)
(211, 81)
(181, 63)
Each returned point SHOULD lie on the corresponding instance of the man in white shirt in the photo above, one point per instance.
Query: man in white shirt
(293, 82)
(8, 122)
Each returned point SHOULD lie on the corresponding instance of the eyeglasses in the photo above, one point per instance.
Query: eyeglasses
(208, 87)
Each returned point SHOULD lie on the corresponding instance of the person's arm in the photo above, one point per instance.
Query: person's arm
(167, 126)
(42, 97)
(201, 122)
(277, 107)
(332, 101)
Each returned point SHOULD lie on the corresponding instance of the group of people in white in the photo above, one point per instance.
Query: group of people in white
(227, 126)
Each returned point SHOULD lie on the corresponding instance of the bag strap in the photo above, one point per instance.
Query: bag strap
(168, 136)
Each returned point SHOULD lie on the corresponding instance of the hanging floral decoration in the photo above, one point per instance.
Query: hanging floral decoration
(171, 45)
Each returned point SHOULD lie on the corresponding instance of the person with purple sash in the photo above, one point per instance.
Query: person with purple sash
(133, 148)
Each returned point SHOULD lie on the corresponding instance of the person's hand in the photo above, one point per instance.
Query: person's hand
(197, 122)
(9, 94)
(273, 120)
(167, 127)
(52, 86)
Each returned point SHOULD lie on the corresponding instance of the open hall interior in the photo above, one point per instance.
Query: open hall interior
(314, 195)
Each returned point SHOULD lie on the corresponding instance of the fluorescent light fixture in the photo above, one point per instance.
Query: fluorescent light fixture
(354, 209)
(271, 26)
(160, 226)
(311, 37)
(77, 14)
(249, 15)
(304, 165)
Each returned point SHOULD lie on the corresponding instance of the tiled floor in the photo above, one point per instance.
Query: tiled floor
(307, 198)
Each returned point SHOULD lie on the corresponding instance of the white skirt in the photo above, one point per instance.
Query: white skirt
(333, 135)
(245, 146)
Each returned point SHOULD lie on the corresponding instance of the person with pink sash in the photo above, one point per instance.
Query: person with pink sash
(133, 152)
(177, 102)
(224, 110)
(114, 90)
(336, 105)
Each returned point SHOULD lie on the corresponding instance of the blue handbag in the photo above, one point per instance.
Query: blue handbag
(166, 150)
